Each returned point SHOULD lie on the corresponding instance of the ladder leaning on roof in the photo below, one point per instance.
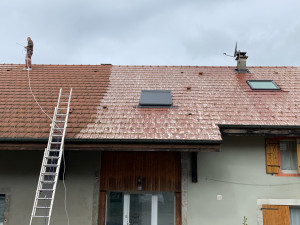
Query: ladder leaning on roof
(45, 192)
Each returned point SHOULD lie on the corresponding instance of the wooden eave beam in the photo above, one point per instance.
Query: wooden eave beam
(116, 147)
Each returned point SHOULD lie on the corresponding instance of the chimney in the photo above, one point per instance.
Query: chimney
(241, 59)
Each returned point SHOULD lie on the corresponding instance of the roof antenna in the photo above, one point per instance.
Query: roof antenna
(235, 52)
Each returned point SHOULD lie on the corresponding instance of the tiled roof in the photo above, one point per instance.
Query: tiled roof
(21, 117)
(105, 96)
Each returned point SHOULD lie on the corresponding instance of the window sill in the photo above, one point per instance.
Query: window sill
(280, 174)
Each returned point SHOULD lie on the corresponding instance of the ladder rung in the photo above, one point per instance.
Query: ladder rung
(51, 165)
(40, 216)
(59, 121)
(45, 189)
(44, 198)
(61, 114)
(47, 181)
(42, 207)
(55, 142)
(53, 150)
(52, 157)
(56, 135)
(49, 173)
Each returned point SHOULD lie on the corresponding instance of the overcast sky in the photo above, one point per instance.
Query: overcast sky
(151, 32)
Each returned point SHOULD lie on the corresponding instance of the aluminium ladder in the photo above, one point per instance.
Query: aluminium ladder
(45, 192)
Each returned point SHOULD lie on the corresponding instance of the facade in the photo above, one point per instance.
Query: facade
(147, 145)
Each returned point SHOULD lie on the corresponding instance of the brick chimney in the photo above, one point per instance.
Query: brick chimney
(241, 59)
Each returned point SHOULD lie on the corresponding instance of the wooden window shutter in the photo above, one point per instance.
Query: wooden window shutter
(276, 215)
(298, 154)
(272, 159)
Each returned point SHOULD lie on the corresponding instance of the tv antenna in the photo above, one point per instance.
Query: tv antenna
(236, 52)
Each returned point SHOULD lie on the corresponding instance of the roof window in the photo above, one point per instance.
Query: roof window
(155, 98)
(262, 85)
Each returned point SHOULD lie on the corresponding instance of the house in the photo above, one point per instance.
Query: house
(167, 145)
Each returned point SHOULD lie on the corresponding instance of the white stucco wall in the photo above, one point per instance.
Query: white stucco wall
(238, 174)
(19, 172)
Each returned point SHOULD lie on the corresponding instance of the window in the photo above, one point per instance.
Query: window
(262, 85)
(140, 208)
(294, 215)
(2, 208)
(283, 156)
(155, 98)
(288, 156)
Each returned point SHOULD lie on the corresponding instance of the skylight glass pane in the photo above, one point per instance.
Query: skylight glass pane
(262, 85)
(155, 98)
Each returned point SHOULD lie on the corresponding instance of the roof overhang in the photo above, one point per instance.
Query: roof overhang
(115, 145)
(259, 130)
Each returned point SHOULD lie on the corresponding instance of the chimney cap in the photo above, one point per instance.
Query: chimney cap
(241, 55)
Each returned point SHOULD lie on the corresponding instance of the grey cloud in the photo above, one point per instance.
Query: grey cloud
(169, 32)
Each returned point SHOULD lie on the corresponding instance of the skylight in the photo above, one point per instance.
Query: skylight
(155, 98)
(262, 85)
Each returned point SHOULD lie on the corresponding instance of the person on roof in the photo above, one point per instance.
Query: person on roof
(29, 49)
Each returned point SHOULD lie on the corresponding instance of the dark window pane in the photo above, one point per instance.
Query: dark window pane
(140, 209)
(2, 207)
(155, 98)
(114, 208)
(166, 206)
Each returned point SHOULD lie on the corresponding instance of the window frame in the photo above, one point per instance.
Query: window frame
(277, 88)
(147, 99)
(288, 172)
(273, 157)
(154, 205)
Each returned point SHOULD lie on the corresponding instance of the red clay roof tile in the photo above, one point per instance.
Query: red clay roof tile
(105, 96)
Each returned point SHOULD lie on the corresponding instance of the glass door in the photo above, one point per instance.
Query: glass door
(140, 208)
(137, 209)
